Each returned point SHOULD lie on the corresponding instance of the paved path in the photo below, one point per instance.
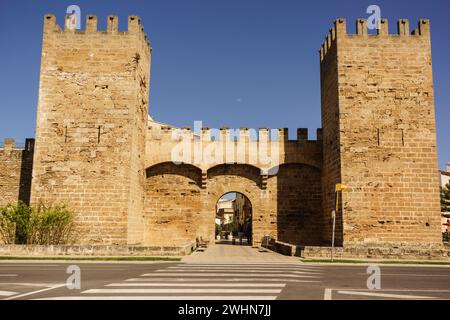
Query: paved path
(225, 282)
(222, 253)
(221, 273)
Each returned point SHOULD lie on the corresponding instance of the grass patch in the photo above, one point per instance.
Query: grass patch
(424, 262)
(63, 258)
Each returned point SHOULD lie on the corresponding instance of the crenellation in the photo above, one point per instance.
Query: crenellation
(384, 27)
(91, 24)
(361, 27)
(8, 145)
(134, 28)
(319, 134)
(208, 134)
(302, 134)
(112, 24)
(333, 34)
(67, 23)
(424, 27)
(403, 27)
(134, 25)
(339, 31)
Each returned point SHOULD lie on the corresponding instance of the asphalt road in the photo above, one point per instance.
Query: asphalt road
(175, 280)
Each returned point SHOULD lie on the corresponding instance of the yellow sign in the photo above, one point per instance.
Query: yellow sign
(340, 187)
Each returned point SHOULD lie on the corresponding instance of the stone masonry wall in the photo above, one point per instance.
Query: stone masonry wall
(91, 125)
(331, 142)
(180, 200)
(387, 135)
(179, 206)
(299, 204)
(16, 165)
(173, 204)
(97, 152)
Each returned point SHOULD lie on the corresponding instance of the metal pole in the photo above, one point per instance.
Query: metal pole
(333, 215)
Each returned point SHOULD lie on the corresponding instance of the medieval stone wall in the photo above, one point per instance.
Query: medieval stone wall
(16, 165)
(91, 125)
(386, 128)
(299, 204)
(331, 142)
(179, 207)
(134, 181)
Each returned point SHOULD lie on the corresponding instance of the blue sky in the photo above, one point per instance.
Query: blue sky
(234, 63)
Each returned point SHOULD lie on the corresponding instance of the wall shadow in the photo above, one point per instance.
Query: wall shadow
(299, 204)
(26, 172)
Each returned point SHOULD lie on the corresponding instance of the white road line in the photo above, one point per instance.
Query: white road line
(234, 266)
(169, 274)
(143, 291)
(239, 270)
(327, 294)
(241, 266)
(34, 292)
(251, 267)
(223, 298)
(383, 295)
(27, 265)
(413, 275)
(210, 284)
(215, 279)
(9, 275)
(28, 284)
(7, 293)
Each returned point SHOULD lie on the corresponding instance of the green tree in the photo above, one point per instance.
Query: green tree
(445, 198)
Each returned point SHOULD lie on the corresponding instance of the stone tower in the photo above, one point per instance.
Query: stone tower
(379, 135)
(91, 125)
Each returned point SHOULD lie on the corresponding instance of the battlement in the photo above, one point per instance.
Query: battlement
(10, 144)
(135, 27)
(227, 134)
(340, 30)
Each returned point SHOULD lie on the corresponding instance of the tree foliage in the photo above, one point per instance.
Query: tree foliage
(42, 224)
(445, 198)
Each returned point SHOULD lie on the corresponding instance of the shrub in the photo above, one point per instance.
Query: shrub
(7, 227)
(14, 221)
(45, 225)
(51, 225)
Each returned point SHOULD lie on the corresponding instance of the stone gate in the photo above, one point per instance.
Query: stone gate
(132, 180)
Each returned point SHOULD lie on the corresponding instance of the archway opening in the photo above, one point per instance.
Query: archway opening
(233, 219)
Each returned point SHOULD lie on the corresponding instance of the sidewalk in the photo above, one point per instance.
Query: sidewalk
(222, 253)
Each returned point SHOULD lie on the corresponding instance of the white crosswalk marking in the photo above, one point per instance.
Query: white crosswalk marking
(7, 293)
(221, 298)
(162, 284)
(215, 279)
(242, 271)
(190, 290)
(205, 282)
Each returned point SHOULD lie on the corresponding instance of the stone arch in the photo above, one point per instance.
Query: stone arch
(242, 170)
(245, 179)
(246, 206)
(274, 170)
(173, 203)
(170, 168)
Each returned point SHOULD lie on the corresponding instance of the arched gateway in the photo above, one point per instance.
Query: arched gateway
(132, 181)
(179, 207)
